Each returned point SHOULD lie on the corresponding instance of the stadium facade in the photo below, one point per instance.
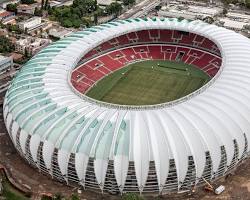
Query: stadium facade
(158, 148)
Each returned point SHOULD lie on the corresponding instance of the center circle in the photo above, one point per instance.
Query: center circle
(146, 68)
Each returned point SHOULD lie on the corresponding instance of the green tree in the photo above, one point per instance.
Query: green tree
(247, 3)
(13, 28)
(131, 196)
(158, 7)
(128, 2)
(45, 198)
(46, 4)
(76, 23)
(26, 52)
(86, 21)
(58, 196)
(38, 12)
(12, 7)
(224, 12)
(85, 6)
(27, 1)
(114, 8)
(6, 45)
(80, 13)
(208, 20)
(2, 25)
(75, 197)
(67, 23)
(42, 4)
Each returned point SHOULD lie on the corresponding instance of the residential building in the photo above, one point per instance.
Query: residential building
(31, 45)
(59, 33)
(5, 63)
(233, 24)
(17, 57)
(189, 12)
(239, 16)
(3, 32)
(26, 9)
(6, 17)
(30, 24)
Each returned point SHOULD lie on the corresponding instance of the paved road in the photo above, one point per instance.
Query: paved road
(140, 9)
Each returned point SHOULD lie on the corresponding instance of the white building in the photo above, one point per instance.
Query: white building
(188, 12)
(30, 23)
(238, 16)
(31, 45)
(233, 24)
(5, 63)
(58, 3)
(105, 2)
(57, 33)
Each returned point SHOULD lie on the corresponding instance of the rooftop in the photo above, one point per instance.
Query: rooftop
(238, 15)
(5, 14)
(25, 6)
(233, 23)
(30, 19)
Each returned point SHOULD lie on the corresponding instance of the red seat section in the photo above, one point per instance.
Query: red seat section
(203, 61)
(141, 49)
(90, 54)
(110, 63)
(94, 64)
(177, 35)
(187, 39)
(81, 87)
(87, 81)
(193, 55)
(90, 73)
(211, 72)
(85, 76)
(183, 53)
(154, 34)
(76, 75)
(106, 45)
(104, 70)
(123, 60)
(129, 54)
(114, 41)
(168, 52)
(143, 36)
(155, 52)
(116, 54)
(207, 44)
(123, 40)
(166, 36)
(198, 39)
(132, 36)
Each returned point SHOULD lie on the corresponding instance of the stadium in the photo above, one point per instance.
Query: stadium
(150, 105)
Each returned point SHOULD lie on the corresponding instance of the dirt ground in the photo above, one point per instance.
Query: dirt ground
(237, 185)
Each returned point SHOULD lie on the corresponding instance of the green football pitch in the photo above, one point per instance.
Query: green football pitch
(149, 82)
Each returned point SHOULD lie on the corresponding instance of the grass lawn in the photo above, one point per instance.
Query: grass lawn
(149, 82)
(9, 192)
(12, 194)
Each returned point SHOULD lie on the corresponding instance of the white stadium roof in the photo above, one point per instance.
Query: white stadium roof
(40, 106)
